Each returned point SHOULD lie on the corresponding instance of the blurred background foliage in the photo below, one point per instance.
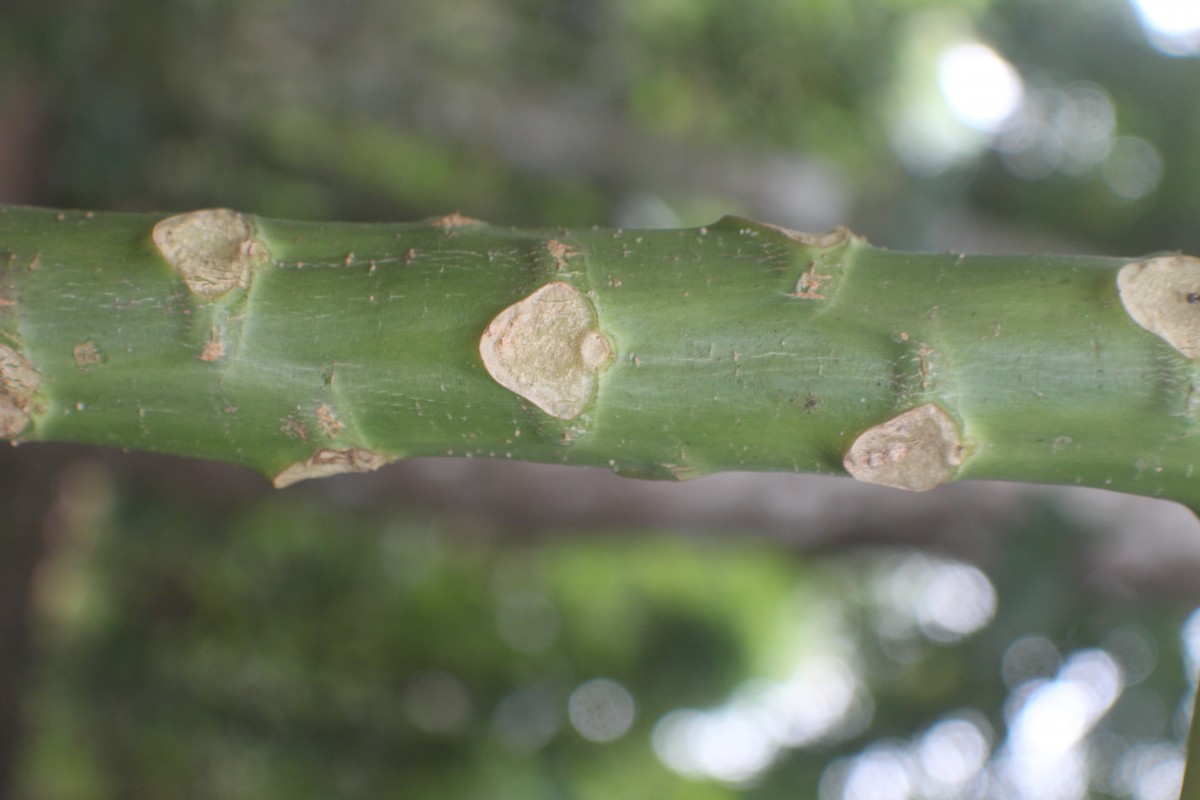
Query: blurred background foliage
(170, 629)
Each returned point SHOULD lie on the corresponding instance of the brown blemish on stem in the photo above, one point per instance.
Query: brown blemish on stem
(87, 355)
(924, 364)
(1163, 296)
(918, 450)
(560, 252)
(214, 250)
(682, 473)
(827, 239)
(328, 420)
(455, 220)
(809, 283)
(213, 349)
(325, 462)
(294, 428)
(547, 349)
(19, 382)
(8, 291)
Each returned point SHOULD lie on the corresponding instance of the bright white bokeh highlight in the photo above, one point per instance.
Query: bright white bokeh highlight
(1172, 26)
(1170, 16)
(951, 94)
(957, 601)
(945, 762)
(951, 754)
(822, 699)
(1045, 756)
(720, 744)
(1190, 636)
(954, 97)
(1054, 748)
(980, 87)
(882, 773)
(941, 600)
(1151, 772)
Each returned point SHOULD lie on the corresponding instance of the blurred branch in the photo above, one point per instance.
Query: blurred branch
(22, 135)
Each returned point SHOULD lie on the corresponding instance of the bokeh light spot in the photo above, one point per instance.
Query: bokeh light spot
(1170, 16)
(957, 600)
(821, 700)
(1172, 26)
(1029, 658)
(882, 773)
(601, 710)
(1134, 649)
(952, 753)
(942, 600)
(1045, 754)
(1134, 168)
(1151, 772)
(980, 87)
(1190, 634)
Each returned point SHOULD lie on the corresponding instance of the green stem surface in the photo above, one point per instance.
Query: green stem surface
(739, 346)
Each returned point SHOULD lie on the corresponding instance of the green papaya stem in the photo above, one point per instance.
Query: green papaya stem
(303, 349)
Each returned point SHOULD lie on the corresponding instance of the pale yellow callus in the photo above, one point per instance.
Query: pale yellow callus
(19, 382)
(213, 250)
(1162, 295)
(326, 462)
(547, 349)
(917, 450)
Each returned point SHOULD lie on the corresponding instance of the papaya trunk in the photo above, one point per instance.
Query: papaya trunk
(304, 349)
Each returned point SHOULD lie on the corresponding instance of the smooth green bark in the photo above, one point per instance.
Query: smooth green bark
(736, 346)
